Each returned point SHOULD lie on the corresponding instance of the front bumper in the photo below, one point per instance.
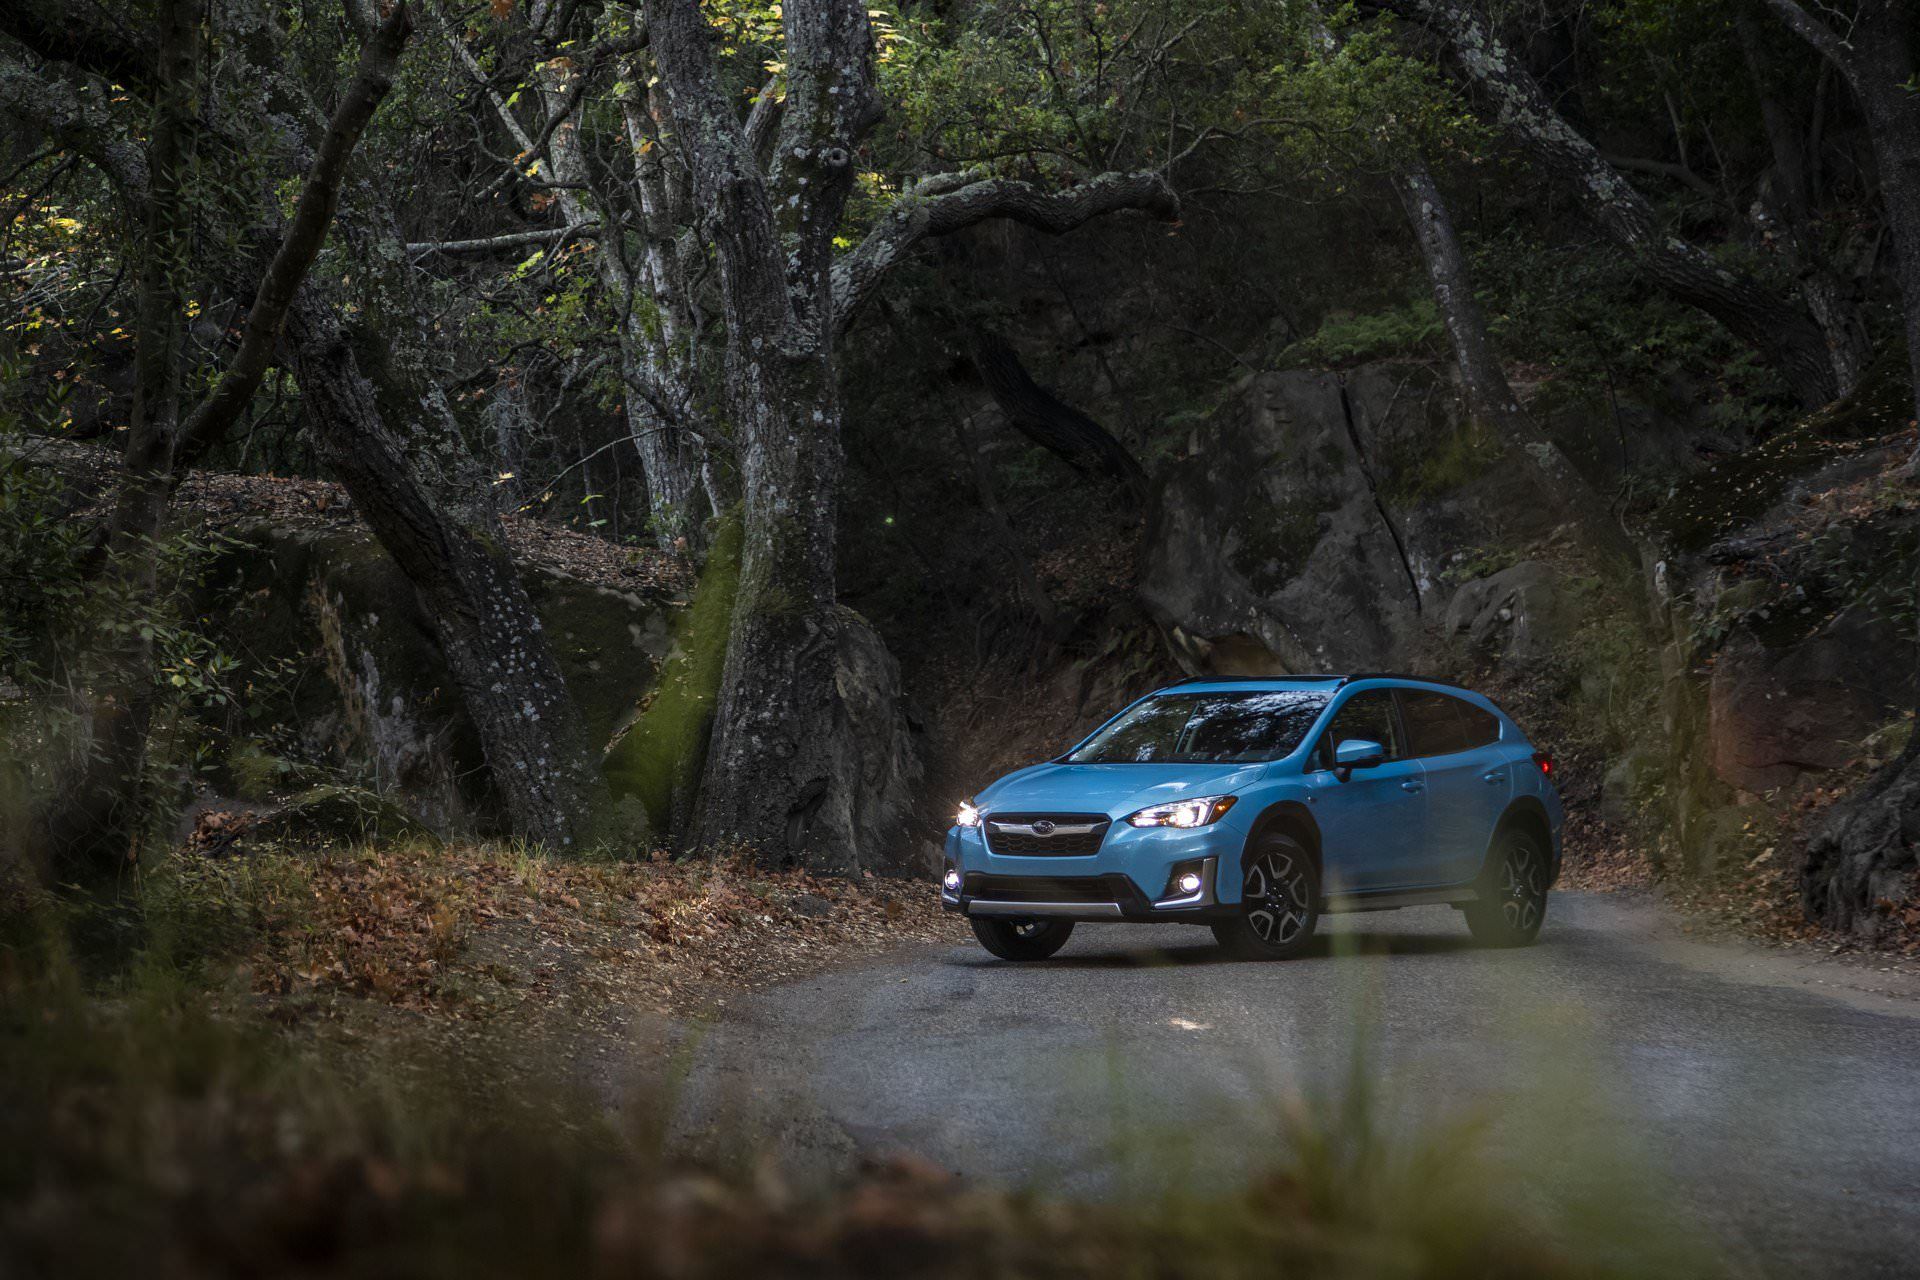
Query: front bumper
(1130, 877)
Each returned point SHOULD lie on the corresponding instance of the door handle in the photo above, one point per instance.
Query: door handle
(1497, 775)
(1409, 785)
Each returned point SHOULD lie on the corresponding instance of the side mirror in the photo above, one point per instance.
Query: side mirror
(1357, 753)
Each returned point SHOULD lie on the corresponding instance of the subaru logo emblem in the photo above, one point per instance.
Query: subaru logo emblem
(1043, 827)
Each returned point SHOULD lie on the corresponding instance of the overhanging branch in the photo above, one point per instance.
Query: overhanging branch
(1818, 34)
(948, 203)
(74, 34)
(307, 231)
(491, 244)
(80, 122)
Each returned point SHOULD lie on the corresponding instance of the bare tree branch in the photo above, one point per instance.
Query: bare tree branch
(511, 240)
(1816, 33)
(766, 110)
(946, 203)
(1680, 173)
(312, 216)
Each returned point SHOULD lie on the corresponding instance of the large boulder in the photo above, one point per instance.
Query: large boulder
(1522, 614)
(1776, 713)
(345, 676)
(1862, 867)
(1309, 523)
(1268, 540)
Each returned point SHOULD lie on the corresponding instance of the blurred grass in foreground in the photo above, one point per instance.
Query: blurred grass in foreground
(155, 1121)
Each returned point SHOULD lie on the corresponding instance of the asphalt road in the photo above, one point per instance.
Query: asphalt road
(1759, 1104)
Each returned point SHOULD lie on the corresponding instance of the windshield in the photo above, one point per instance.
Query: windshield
(1240, 727)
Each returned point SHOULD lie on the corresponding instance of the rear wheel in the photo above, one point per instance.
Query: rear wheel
(1022, 939)
(1279, 902)
(1513, 893)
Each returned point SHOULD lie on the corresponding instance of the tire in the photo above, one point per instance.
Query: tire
(1022, 939)
(1513, 892)
(1279, 902)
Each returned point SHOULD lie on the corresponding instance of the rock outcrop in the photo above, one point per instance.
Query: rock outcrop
(345, 674)
(1309, 524)
(1522, 614)
(1777, 712)
(1863, 860)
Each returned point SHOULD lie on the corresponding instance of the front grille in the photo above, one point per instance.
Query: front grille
(1112, 887)
(1068, 835)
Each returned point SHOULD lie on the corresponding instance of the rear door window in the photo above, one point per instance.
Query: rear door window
(1439, 725)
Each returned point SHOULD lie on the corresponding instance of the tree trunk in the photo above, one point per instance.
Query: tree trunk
(1784, 334)
(1047, 420)
(1035, 596)
(810, 758)
(1483, 383)
(809, 761)
(1893, 124)
(651, 349)
(530, 730)
(94, 820)
(669, 458)
(1791, 203)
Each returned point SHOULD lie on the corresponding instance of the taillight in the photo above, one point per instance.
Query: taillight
(1545, 762)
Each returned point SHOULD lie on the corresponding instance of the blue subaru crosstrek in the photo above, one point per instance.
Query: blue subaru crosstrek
(1254, 806)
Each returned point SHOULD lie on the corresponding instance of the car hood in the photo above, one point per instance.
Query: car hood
(1114, 789)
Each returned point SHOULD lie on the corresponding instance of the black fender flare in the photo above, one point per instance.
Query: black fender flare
(1295, 819)
(1526, 812)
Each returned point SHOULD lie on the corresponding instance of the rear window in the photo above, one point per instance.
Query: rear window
(1206, 728)
(1439, 725)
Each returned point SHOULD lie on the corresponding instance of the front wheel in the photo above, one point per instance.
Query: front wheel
(1513, 894)
(1022, 939)
(1279, 903)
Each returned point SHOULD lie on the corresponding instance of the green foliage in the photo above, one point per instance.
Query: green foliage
(68, 627)
(658, 761)
(40, 549)
(1582, 315)
(1067, 87)
(1412, 328)
(1480, 562)
(1681, 63)
(1612, 671)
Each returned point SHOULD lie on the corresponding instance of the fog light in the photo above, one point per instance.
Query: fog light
(1188, 883)
(951, 883)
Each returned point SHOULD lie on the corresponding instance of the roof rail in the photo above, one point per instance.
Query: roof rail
(1229, 679)
(1339, 680)
(1399, 675)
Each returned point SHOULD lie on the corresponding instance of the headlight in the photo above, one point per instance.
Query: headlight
(968, 815)
(1197, 812)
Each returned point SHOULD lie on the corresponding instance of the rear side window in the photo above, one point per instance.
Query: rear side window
(1366, 715)
(1439, 725)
